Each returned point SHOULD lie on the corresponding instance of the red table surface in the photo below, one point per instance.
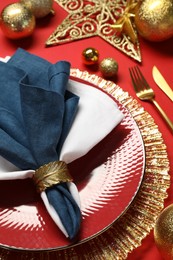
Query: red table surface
(159, 54)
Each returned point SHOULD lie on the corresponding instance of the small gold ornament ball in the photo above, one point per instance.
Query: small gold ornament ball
(90, 56)
(154, 19)
(39, 8)
(16, 21)
(163, 233)
(109, 67)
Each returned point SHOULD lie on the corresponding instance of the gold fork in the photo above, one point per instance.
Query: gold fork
(145, 92)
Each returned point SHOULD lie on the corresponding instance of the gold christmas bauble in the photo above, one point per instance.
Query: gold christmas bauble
(109, 67)
(90, 56)
(163, 233)
(16, 21)
(154, 19)
(39, 8)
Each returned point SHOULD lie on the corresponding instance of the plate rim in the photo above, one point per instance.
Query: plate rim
(125, 207)
(129, 231)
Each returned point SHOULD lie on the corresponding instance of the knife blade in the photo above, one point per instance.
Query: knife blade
(161, 82)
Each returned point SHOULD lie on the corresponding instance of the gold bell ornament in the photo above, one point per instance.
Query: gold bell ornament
(154, 19)
(16, 21)
(40, 8)
(163, 233)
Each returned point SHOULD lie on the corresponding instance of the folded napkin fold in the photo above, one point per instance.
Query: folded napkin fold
(44, 117)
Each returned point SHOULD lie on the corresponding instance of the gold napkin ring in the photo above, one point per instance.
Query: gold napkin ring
(50, 174)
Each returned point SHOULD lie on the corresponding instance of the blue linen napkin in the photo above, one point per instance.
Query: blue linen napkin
(36, 115)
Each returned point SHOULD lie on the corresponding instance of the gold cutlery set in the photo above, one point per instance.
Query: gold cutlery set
(145, 93)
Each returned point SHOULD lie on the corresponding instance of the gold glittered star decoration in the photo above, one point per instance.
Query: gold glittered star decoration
(88, 18)
(124, 23)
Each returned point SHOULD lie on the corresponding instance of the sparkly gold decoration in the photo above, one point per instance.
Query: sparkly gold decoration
(109, 67)
(124, 24)
(163, 233)
(88, 18)
(135, 224)
(39, 8)
(16, 21)
(154, 19)
(90, 56)
(51, 174)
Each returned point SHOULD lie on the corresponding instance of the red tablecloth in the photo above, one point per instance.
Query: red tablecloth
(159, 54)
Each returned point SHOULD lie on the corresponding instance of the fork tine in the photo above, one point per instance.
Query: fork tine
(138, 80)
(133, 78)
(143, 80)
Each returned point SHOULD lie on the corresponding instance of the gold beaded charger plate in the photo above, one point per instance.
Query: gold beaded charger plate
(125, 226)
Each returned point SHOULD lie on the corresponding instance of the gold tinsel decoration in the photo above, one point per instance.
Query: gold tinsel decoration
(88, 18)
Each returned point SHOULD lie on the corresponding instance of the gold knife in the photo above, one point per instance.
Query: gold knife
(161, 82)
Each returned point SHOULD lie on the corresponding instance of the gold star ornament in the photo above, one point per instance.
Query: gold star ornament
(108, 19)
(124, 23)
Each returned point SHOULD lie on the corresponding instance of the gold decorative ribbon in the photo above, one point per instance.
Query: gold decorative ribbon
(50, 174)
(124, 23)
